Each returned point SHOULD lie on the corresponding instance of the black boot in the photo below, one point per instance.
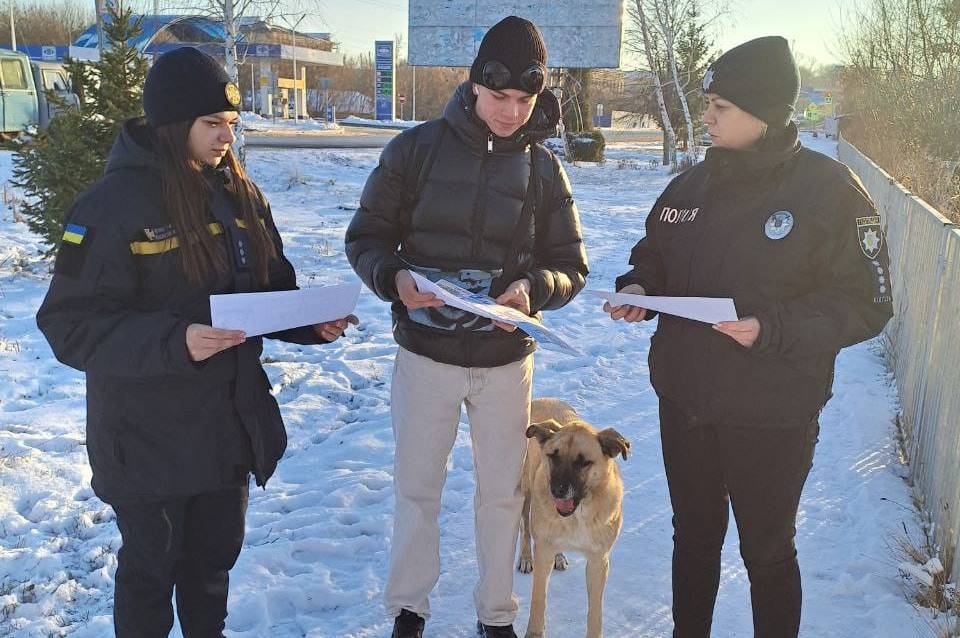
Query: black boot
(495, 631)
(407, 625)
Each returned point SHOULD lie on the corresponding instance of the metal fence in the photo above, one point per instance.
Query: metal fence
(923, 342)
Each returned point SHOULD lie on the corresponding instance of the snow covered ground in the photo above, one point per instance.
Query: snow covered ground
(255, 122)
(363, 121)
(318, 537)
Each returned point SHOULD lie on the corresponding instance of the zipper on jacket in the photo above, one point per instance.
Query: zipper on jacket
(480, 202)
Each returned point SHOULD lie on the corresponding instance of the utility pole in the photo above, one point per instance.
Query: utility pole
(98, 6)
(13, 28)
(413, 106)
(296, 78)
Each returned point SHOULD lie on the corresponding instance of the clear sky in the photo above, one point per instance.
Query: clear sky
(811, 25)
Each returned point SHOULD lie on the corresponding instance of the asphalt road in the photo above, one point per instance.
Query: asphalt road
(369, 137)
(346, 137)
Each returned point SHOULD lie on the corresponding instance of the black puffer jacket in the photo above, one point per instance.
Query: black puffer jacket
(118, 309)
(720, 230)
(465, 217)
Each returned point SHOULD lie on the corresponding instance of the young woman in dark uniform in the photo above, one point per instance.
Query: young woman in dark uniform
(179, 413)
(794, 239)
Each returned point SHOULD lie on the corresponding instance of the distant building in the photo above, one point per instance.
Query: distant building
(266, 54)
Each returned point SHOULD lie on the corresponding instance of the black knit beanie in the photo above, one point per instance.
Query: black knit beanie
(185, 84)
(516, 43)
(759, 76)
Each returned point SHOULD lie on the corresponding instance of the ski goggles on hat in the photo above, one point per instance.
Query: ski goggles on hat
(497, 76)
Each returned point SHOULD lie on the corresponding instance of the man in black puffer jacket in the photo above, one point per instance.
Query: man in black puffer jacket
(475, 199)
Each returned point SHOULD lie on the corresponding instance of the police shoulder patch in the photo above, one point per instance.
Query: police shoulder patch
(870, 235)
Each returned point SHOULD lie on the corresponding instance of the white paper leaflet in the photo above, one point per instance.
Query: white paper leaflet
(258, 313)
(484, 306)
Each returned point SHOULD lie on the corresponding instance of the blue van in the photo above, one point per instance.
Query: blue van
(52, 77)
(19, 101)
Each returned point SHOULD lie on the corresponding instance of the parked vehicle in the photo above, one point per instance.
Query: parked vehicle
(52, 76)
(23, 99)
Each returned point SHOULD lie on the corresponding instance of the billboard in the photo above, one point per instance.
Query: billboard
(578, 33)
(384, 60)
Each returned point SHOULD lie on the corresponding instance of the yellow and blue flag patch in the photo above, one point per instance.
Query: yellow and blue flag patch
(73, 250)
(74, 233)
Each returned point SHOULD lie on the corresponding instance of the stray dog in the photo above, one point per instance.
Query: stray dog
(572, 500)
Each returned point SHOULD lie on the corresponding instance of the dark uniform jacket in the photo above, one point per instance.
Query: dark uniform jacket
(118, 309)
(464, 217)
(794, 239)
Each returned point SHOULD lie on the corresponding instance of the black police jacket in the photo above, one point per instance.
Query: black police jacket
(464, 217)
(792, 236)
(118, 308)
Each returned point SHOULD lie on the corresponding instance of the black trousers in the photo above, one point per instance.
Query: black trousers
(761, 472)
(183, 544)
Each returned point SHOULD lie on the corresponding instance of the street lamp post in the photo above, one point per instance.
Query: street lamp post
(296, 78)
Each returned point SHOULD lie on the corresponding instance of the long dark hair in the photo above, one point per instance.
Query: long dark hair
(187, 199)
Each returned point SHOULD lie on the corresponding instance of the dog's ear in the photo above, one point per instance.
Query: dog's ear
(612, 443)
(543, 430)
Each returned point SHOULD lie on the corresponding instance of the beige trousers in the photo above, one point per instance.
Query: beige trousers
(426, 398)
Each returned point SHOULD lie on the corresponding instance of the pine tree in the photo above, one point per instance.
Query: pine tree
(122, 70)
(61, 162)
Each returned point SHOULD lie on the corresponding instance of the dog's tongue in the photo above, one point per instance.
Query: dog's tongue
(564, 505)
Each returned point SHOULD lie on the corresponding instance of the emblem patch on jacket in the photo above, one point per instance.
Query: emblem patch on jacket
(870, 235)
(779, 224)
(678, 215)
(74, 233)
(159, 234)
(73, 250)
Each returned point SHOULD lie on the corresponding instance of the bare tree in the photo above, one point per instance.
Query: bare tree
(46, 21)
(667, 16)
(648, 46)
(900, 89)
(230, 13)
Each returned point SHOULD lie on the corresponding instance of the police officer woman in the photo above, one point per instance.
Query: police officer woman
(474, 198)
(178, 413)
(794, 239)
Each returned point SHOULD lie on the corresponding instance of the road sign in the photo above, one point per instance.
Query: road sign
(401, 98)
(385, 61)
